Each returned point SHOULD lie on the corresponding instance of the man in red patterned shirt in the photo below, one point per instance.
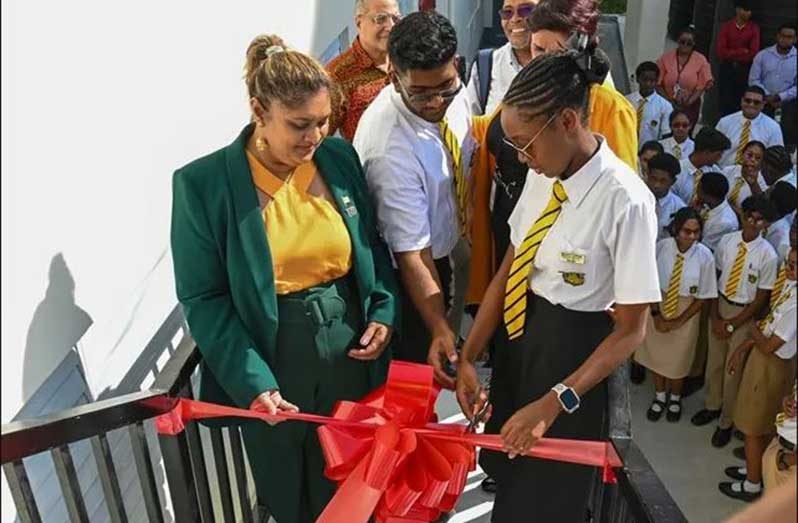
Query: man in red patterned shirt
(738, 43)
(361, 71)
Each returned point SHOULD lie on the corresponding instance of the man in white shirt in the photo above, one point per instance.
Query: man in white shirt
(777, 166)
(782, 196)
(653, 111)
(415, 144)
(719, 217)
(748, 124)
(662, 172)
(504, 62)
(709, 147)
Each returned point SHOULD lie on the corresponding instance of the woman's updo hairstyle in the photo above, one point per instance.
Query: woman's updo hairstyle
(275, 72)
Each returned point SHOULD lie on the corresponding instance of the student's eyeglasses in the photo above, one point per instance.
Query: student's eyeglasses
(424, 98)
(755, 219)
(522, 150)
(382, 18)
(523, 11)
(752, 101)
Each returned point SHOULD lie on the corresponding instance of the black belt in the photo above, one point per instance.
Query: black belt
(733, 302)
(786, 444)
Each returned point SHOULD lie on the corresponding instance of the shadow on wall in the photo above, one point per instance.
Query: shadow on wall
(57, 325)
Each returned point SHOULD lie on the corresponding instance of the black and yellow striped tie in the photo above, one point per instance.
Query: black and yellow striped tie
(640, 108)
(736, 274)
(745, 137)
(515, 291)
(696, 182)
(460, 193)
(734, 195)
(677, 151)
(671, 301)
(775, 294)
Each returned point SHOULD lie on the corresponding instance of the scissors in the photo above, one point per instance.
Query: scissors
(479, 417)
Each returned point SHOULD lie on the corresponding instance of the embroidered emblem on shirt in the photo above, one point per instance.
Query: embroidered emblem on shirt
(572, 257)
(694, 289)
(752, 278)
(574, 278)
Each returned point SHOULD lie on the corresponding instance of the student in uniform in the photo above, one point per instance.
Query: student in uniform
(652, 109)
(662, 171)
(283, 279)
(415, 144)
(709, 147)
(553, 290)
(719, 217)
(769, 372)
(748, 124)
(748, 266)
(778, 461)
(679, 143)
(649, 150)
(687, 278)
(777, 166)
(746, 178)
(782, 196)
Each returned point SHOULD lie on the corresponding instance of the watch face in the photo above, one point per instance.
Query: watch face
(569, 399)
(729, 327)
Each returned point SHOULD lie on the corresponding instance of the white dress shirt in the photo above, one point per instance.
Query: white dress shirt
(605, 237)
(761, 266)
(656, 113)
(720, 221)
(785, 322)
(684, 181)
(666, 208)
(504, 68)
(734, 173)
(778, 235)
(687, 147)
(409, 172)
(763, 129)
(698, 272)
(790, 178)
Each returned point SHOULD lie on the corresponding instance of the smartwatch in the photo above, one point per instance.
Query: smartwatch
(567, 396)
(730, 328)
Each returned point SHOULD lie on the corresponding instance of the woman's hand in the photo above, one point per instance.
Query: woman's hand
(373, 342)
(529, 424)
(736, 359)
(271, 402)
(468, 389)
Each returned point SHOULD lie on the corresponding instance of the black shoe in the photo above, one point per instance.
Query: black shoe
(671, 415)
(704, 416)
(721, 437)
(637, 373)
(726, 488)
(692, 385)
(734, 473)
(739, 435)
(489, 485)
(739, 453)
(654, 415)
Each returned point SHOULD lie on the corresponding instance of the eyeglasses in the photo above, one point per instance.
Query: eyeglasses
(752, 101)
(523, 11)
(755, 219)
(424, 98)
(686, 41)
(382, 18)
(523, 150)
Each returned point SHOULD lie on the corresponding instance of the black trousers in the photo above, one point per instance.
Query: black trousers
(415, 338)
(732, 81)
(555, 343)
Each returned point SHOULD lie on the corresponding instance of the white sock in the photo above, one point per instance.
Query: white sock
(752, 487)
(676, 397)
(660, 396)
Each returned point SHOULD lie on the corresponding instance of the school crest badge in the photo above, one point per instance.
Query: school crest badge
(574, 278)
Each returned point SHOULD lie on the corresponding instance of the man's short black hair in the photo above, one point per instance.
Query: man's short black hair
(652, 145)
(649, 67)
(665, 162)
(788, 25)
(759, 203)
(711, 140)
(422, 40)
(714, 184)
(743, 4)
(782, 196)
(755, 89)
(777, 157)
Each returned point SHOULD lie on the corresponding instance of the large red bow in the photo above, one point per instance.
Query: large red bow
(389, 456)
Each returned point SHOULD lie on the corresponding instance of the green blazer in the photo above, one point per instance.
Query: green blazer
(223, 266)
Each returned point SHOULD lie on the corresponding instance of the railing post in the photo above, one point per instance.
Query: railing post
(177, 463)
(141, 455)
(222, 473)
(70, 487)
(108, 479)
(18, 483)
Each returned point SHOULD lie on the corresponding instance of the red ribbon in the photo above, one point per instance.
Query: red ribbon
(389, 456)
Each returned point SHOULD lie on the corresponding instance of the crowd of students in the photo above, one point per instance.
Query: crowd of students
(523, 197)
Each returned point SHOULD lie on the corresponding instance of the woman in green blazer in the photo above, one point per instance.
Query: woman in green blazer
(286, 286)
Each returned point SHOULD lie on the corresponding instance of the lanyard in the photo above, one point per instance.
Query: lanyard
(680, 68)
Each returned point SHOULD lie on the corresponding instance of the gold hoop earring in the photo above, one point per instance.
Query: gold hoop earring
(261, 144)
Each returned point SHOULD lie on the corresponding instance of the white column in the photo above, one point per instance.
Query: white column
(646, 27)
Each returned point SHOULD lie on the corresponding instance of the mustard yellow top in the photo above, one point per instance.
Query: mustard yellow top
(308, 239)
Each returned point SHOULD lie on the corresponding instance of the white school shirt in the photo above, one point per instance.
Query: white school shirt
(761, 266)
(734, 173)
(666, 207)
(785, 322)
(763, 129)
(720, 221)
(503, 70)
(684, 180)
(698, 272)
(409, 172)
(602, 248)
(656, 113)
(790, 178)
(687, 147)
(778, 235)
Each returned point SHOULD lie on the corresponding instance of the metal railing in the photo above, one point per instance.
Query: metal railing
(639, 495)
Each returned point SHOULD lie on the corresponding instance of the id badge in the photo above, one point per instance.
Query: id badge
(573, 257)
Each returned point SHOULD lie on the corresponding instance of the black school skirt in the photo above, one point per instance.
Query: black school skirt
(555, 343)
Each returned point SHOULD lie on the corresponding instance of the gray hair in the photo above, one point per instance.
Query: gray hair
(361, 6)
